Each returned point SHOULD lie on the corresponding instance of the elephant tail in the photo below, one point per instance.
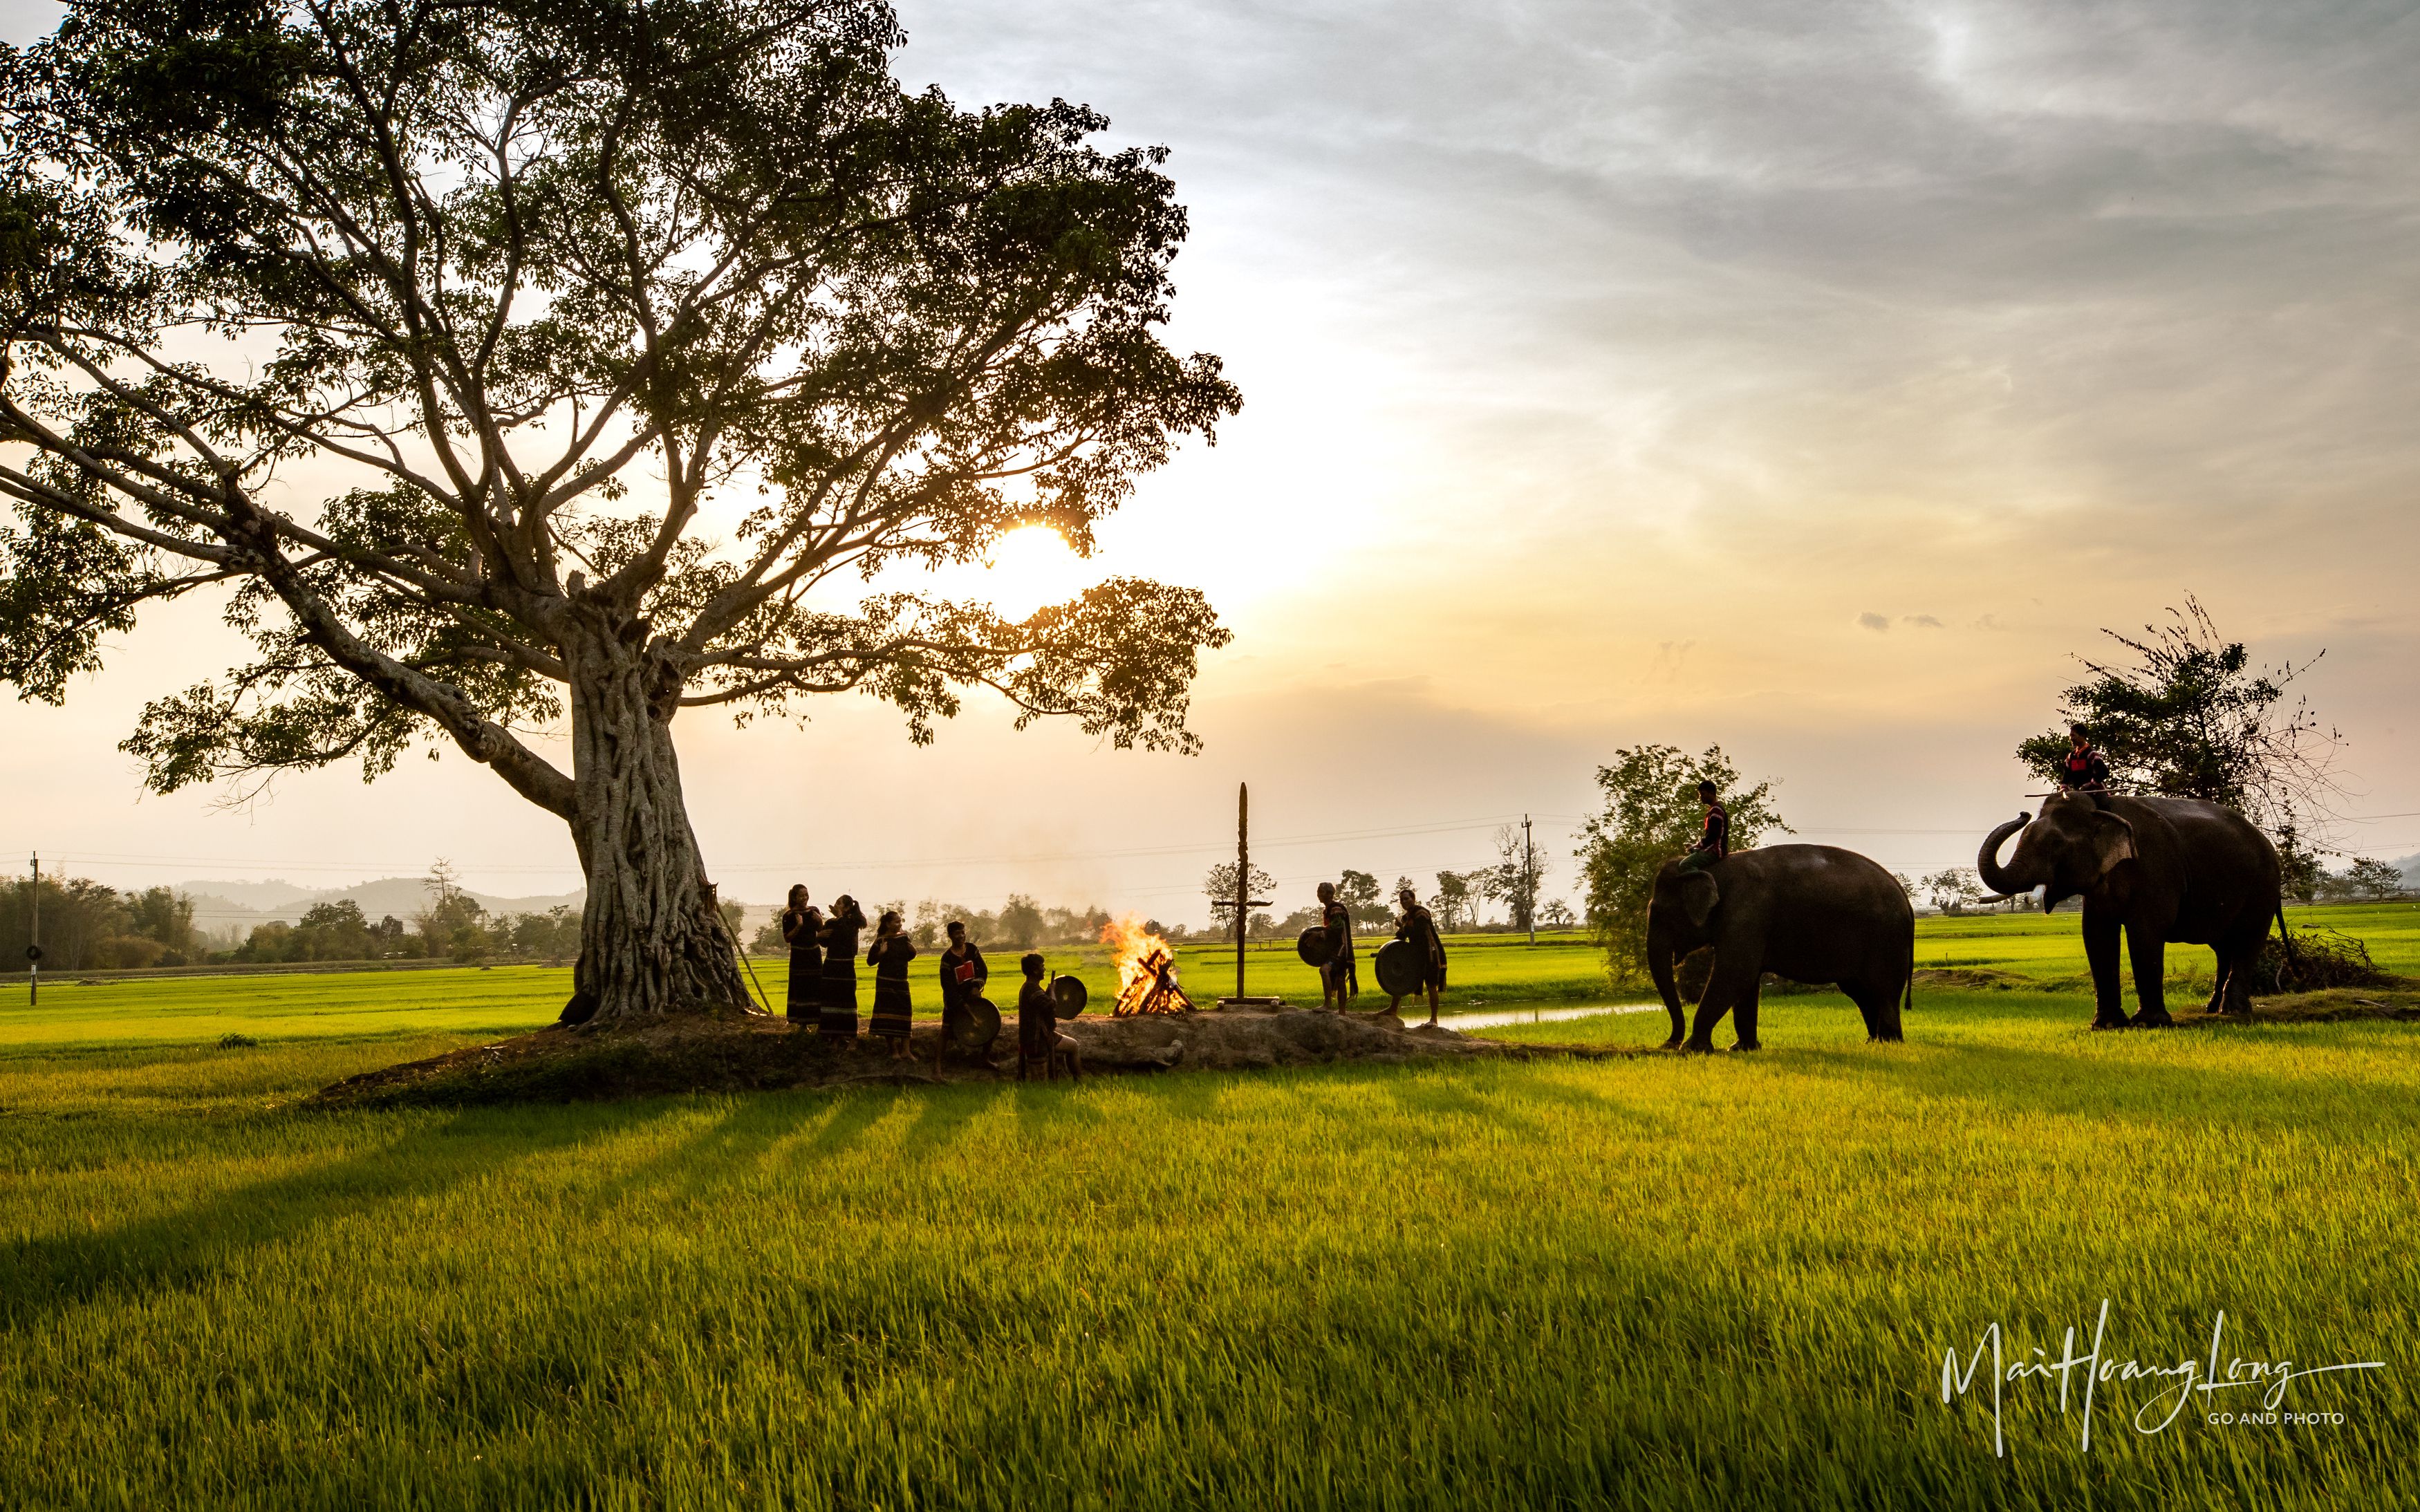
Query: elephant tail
(2293, 971)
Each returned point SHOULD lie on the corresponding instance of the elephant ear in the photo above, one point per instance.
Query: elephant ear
(2112, 840)
(1699, 895)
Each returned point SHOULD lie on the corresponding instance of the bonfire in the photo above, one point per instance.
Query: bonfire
(1146, 970)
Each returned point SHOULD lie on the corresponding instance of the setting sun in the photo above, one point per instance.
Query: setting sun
(1028, 568)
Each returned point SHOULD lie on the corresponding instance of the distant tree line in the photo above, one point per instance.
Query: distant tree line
(88, 926)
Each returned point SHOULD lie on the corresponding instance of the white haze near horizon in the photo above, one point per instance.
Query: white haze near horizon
(1613, 374)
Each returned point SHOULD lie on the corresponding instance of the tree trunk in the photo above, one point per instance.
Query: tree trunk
(652, 937)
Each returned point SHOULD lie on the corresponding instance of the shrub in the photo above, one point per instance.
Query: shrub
(236, 1041)
(2323, 958)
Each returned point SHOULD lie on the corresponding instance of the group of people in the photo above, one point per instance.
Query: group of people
(823, 984)
(1339, 980)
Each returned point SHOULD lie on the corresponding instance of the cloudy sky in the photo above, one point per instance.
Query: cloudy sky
(1812, 380)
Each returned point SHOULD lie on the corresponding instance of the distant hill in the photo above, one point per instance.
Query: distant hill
(223, 907)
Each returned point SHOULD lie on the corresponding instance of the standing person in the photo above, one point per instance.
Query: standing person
(963, 976)
(1037, 1026)
(895, 1014)
(1714, 840)
(1336, 979)
(1419, 927)
(2084, 770)
(802, 930)
(836, 1013)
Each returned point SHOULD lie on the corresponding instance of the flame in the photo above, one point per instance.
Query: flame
(1146, 969)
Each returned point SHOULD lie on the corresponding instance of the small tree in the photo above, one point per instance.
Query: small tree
(1651, 815)
(1952, 889)
(1020, 922)
(2191, 718)
(1358, 892)
(1218, 886)
(1515, 878)
(1558, 914)
(1452, 902)
(2373, 879)
(584, 355)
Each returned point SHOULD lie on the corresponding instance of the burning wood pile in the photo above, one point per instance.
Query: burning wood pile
(1146, 971)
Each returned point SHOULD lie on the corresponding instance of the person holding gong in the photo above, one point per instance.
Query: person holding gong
(802, 931)
(1337, 981)
(963, 976)
(895, 1014)
(1418, 928)
(836, 1013)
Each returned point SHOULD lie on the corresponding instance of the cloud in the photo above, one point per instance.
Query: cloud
(1922, 622)
(1877, 623)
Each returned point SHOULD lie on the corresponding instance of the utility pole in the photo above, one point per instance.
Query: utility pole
(1529, 880)
(1242, 876)
(34, 941)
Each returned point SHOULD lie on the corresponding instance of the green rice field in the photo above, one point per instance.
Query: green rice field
(1653, 1281)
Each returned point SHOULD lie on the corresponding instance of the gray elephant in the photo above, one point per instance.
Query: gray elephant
(2162, 869)
(1810, 912)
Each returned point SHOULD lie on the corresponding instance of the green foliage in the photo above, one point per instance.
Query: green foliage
(1455, 901)
(1358, 892)
(1652, 816)
(2190, 718)
(540, 284)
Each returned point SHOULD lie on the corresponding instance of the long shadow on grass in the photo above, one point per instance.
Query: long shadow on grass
(2047, 1082)
(183, 1247)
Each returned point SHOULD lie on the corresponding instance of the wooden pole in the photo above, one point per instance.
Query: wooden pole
(1529, 878)
(1242, 876)
(34, 941)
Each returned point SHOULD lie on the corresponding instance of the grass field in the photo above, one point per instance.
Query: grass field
(1721, 1281)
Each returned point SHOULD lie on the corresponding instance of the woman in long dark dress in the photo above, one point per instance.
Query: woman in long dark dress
(836, 1012)
(963, 975)
(802, 932)
(894, 1015)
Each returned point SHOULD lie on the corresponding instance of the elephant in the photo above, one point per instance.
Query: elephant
(1810, 912)
(2163, 870)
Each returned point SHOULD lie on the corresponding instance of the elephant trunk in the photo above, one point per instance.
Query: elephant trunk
(2000, 879)
(1659, 966)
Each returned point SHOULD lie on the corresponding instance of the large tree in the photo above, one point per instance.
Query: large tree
(654, 345)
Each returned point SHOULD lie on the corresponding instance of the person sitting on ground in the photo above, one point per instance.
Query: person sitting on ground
(894, 1014)
(1714, 840)
(1337, 983)
(1037, 1026)
(1419, 927)
(963, 975)
(2084, 770)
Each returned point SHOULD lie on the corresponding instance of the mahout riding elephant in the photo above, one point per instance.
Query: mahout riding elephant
(1811, 913)
(2163, 870)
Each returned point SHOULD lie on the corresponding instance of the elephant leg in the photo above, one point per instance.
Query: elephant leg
(1726, 984)
(2224, 987)
(2100, 952)
(2148, 954)
(1744, 1016)
(2240, 953)
(1879, 1005)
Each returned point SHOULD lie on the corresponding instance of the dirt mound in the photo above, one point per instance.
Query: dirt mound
(1985, 979)
(730, 1051)
(2331, 1006)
